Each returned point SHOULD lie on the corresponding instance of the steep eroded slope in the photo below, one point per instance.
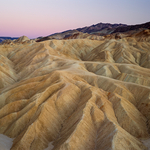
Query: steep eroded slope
(76, 94)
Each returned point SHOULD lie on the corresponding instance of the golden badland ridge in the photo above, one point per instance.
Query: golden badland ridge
(76, 94)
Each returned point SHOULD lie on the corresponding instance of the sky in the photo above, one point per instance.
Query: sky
(34, 18)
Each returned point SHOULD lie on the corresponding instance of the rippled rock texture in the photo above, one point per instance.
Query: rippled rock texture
(76, 94)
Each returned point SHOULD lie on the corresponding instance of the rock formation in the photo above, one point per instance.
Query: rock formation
(76, 94)
(22, 39)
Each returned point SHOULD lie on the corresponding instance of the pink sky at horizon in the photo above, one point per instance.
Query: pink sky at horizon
(41, 18)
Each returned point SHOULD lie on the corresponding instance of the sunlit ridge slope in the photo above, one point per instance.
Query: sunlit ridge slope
(76, 94)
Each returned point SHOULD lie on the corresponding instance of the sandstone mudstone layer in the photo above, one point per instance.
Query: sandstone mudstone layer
(76, 94)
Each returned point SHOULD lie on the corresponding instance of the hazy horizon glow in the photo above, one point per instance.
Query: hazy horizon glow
(35, 18)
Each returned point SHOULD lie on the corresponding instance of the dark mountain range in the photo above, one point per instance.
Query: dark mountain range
(107, 28)
(100, 29)
(132, 27)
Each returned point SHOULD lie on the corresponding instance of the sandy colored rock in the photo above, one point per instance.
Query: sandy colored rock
(76, 94)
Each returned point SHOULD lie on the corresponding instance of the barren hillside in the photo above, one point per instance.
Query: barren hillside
(76, 94)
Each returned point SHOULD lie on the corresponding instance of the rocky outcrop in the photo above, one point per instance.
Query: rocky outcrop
(21, 40)
(77, 94)
(81, 35)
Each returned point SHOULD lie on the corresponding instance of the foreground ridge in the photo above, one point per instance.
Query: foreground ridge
(76, 94)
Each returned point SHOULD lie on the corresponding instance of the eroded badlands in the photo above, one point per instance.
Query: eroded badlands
(76, 94)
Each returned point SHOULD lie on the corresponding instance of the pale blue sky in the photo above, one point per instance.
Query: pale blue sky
(35, 18)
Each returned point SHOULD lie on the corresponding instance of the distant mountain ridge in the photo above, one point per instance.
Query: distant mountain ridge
(4, 38)
(107, 28)
(100, 27)
(97, 31)
(132, 27)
